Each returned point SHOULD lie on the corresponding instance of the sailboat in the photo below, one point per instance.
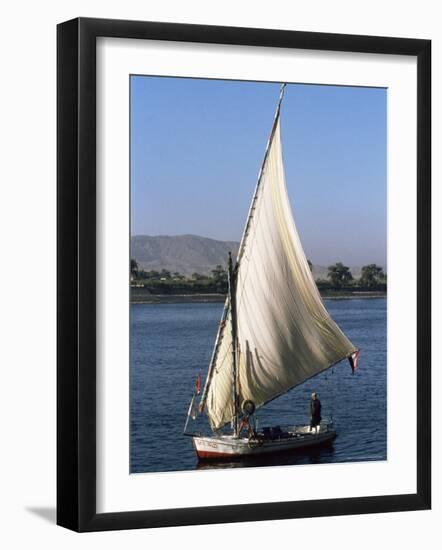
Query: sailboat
(275, 332)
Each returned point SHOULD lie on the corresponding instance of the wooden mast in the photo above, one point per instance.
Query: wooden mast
(232, 300)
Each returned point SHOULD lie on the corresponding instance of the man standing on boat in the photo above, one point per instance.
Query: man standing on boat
(315, 412)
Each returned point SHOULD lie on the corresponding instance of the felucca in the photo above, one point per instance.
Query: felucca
(275, 332)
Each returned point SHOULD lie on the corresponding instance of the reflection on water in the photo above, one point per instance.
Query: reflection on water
(170, 343)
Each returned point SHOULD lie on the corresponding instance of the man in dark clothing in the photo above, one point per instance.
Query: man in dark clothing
(315, 412)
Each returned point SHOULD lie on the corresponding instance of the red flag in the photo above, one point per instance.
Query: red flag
(198, 384)
(354, 358)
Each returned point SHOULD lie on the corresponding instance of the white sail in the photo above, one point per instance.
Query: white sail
(285, 334)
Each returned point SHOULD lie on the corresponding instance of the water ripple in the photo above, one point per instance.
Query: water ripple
(170, 343)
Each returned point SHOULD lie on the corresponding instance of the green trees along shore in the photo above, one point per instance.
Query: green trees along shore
(339, 281)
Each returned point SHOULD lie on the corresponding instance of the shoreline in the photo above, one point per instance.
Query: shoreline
(177, 298)
(146, 298)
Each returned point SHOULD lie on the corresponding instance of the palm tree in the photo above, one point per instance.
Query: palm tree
(372, 275)
(133, 268)
(339, 274)
(219, 274)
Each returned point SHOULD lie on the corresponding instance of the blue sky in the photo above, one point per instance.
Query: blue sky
(197, 147)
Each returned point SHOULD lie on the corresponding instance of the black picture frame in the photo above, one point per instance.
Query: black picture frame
(76, 273)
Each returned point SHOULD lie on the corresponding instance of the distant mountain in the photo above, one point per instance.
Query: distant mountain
(186, 254)
(190, 254)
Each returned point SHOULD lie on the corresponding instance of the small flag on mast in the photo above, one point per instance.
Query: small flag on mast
(354, 358)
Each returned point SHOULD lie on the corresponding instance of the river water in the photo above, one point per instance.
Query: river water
(170, 343)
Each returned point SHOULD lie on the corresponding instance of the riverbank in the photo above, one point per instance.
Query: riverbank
(345, 294)
(144, 296)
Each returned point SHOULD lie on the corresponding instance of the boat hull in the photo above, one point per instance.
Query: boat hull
(228, 447)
